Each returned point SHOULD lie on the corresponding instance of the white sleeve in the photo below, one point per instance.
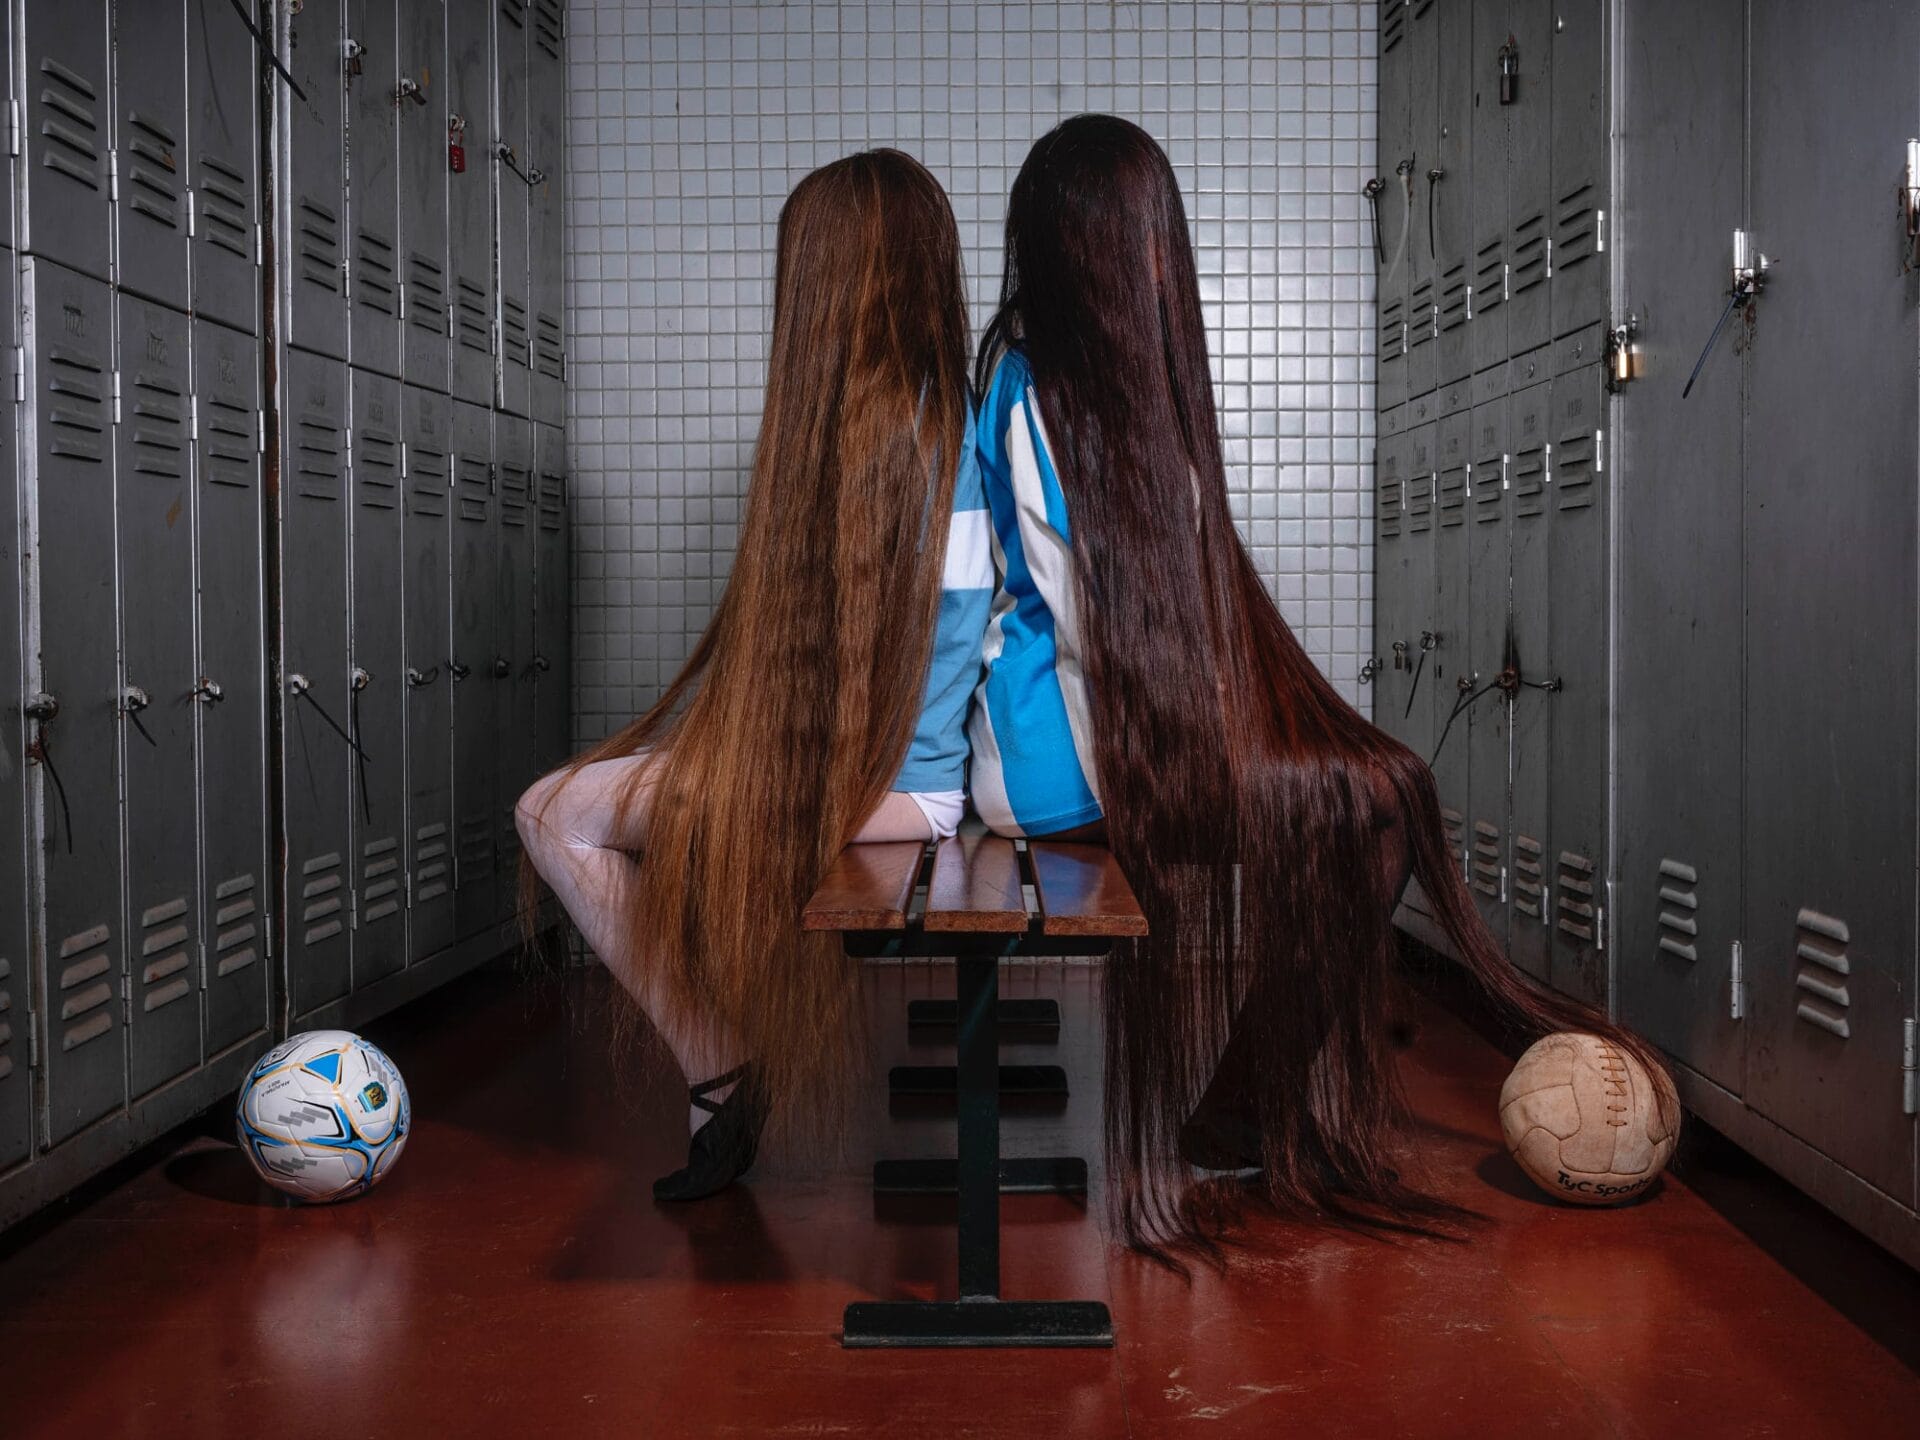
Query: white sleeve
(943, 809)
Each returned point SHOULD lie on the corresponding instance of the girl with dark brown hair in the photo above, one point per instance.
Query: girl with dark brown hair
(1142, 681)
(826, 701)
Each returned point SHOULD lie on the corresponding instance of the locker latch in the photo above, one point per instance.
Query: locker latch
(409, 89)
(1509, 71)
(1372, 668)
(355, 52)
(458, 671)
(541, 664)
(1910, 206)
(208, 691)
(1750, 270)
(1623, 356)
(416, 678)
(502, 667)
(456, 151)
(359, 679)
(1400, 655)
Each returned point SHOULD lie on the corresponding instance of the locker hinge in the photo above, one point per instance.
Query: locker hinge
(346, 281)
(1549, 257)
(113, 177)
(33, 1042)
(409, 884)
(13, 127)
(1599, 232)
(126, 993)
(403, 299)
(1469, 494)
(257, 250)
(1546, 463)
(19, 374)
(116, 397)
(1737, 983)
(1469, 302)
(353, 909)
(403, 459)
(259, 432)
(1506, 275)
(1599, 452)
(193, 418)
(449, 320)
(1504, 482)
(1503, 884)
(190, 213)
(1600, 920)
(1910, 1067)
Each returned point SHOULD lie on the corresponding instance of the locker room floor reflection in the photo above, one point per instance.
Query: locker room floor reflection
(514, 1278)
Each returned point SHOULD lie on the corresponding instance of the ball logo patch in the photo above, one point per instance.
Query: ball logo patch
(373, 1095)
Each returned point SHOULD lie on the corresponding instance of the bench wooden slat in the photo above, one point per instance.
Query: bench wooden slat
(976, 887)
(868, 888)
(1082, 891)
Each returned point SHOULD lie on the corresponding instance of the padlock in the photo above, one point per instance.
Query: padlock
(1509, 71)
(456, 152)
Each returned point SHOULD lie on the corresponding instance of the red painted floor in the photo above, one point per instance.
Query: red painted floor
(514, 1278)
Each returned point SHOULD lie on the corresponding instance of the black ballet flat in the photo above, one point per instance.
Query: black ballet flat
(723, 1149)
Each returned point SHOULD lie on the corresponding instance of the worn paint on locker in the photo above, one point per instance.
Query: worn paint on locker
(66, 216)
(150, 137)
(373, 190)
(315, 279)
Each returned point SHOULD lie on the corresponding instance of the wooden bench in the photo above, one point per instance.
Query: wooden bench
(979, 899)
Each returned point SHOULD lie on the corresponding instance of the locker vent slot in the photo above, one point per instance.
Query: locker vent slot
(152, 171)
(318, 244)
(159, 426)
(1679, 902)
(375, 273)
(1453, 496)
(1393, 23)
(1573, 471)
(381, 891)
(513, 330)
(1575, 904)
(165, 935)
(470, 316)
(321, 902)
(1420, 315)
(1489, 276)
(228, 456)
(1387, 501)
(553, 502)
(1393, 329)
(507, 850)
(1529, 248)
(548, 355)
(1420, 502)
(1453, 298)
(76, 406)
(317, 461)
(235, 920)
(67, 123)
(427, 300)
(1529, 483)
(1574, 229)
(426, 482)
(1529, 876)
(513, 511)
(85, 990)
(1486, 857)
(1454, 824)
(548, 31)
(225, 207)
(1821, 948)
(514, 12)
(431, 875)
(376, 470)
(475, 841)
(1486, 499)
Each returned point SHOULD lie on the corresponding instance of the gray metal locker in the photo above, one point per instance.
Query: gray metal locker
(470, 198)
(373, 187)
(552, 618)
(150, 148)
(16, 985)
(1451, 231)
(10, 96)
(547, 137)
(514, 710)
(68, 332)
(1487, 332)
(1423, 36)
(1484, 714)
(152, 453)
(1449, 661)
(1831, 552)
(230, 684)
(1678, 820)
(1389, 561)
(316, 693)
(1416, 604)
(66, 216)
(1577, 644)
(512, 182)
(476, 759)
(317, 270)
(1393, 205)
(223, 160)
(422, 103)
(1529, 860)
(1529, 188)
(1579, 165)
(427, 532)
(379, 705)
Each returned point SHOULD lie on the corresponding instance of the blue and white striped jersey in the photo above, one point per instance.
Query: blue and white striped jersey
(1033, 758)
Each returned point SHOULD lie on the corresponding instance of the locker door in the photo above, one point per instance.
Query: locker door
(553, 652)
(152, 455)
(315, 705)
(1423, 36)
(1677, 882)
(1831, 551)
(318, 187)
(1529, 188)
(514, 735)
(1579, 164)
(150, 135)
(373, 189)
(1448, 663)
(427, 533)
(1393, 206)
(510, 188)
(423, 195)
(68, 327)
(1452, 230)
(1484, 714)
(16, 1078)
(223, 159)
(10, 94)
(379, 701)
(1417, 600)
(470, 198)
(475, 758)
(1488, 329)
(1577, 645)
(547, 134)
(66, 213)
(1529, 864)
(231, 676)
(1389, 565)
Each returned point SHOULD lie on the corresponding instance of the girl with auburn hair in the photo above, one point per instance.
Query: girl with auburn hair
(826, 701)
(1140, 678)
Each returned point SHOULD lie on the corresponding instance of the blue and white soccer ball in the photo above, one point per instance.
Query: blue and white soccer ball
(324, 1115)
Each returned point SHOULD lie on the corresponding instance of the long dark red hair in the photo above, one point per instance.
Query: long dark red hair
(1265, 823)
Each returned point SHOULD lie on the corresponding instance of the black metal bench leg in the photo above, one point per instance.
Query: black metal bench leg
(918, 1080)
(1025, 1014)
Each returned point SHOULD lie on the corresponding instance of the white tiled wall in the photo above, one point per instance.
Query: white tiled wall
(688, 125)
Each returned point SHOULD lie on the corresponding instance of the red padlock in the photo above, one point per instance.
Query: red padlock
(456, 152)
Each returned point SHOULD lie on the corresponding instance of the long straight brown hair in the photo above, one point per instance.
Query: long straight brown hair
(1265, 823)
(791, 718)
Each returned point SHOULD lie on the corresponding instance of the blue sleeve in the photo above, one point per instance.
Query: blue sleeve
(937, 756)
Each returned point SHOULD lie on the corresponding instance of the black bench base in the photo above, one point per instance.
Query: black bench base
(956, 1324)
(945, 1080)
(1016, 1014)
(1019, 1175)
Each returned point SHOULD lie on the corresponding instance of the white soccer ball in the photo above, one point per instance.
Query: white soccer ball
(1586, 1121)
(324, 1115)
